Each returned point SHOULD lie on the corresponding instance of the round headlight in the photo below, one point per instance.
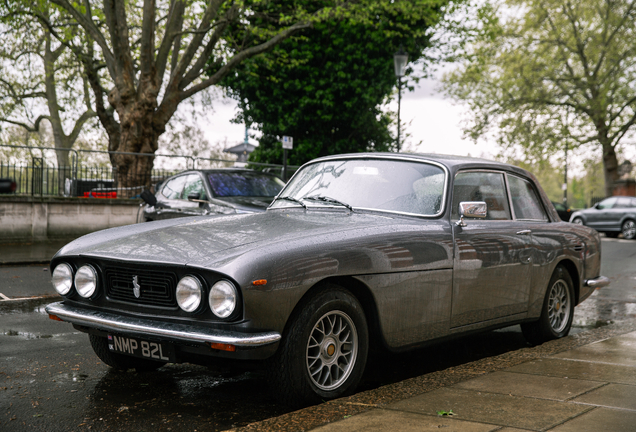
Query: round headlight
(222, 299)
(86, 281)
(62, 278)
(189, 293)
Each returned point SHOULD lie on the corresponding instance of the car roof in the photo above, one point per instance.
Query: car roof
(453, 162)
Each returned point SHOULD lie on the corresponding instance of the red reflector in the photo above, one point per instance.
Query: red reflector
(260, 282)
(53, 317)
(223, 347)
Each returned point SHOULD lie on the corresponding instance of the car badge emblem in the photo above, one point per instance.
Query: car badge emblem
(136, 287)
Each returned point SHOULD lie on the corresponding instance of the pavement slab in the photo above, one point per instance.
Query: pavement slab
(386, 420)
(612, 396)
(619, 350)
(494, 409)
(552, 367)
(600, 419)
(535, 386)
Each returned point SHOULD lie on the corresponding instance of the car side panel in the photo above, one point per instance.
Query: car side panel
(413, 260)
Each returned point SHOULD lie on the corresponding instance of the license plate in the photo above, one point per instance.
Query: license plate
(141, 348)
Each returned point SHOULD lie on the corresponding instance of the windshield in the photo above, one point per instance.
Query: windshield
(247, 184)
(378, 184)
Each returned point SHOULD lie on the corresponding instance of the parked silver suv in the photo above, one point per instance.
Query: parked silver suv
(612, 216)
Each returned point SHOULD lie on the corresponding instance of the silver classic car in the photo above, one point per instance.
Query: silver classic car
(398, 250)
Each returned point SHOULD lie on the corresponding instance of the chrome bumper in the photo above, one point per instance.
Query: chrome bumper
(597, 282)
(180, 332)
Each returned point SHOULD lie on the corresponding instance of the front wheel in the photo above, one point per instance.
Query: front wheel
(629, 229)
(557, 312)
(324, 351)
(578, 221)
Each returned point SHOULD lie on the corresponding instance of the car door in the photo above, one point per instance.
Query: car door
(598, 216)
(618, 211)
(493, 256)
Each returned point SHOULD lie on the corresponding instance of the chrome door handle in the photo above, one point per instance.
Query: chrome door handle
(524, 232)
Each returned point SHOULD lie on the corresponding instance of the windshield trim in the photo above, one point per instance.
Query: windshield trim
(366, 157)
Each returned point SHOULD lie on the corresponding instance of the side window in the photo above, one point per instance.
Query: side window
(481, 186)
(172, 189)
(194, 184)
(525, 201)
(623, 202)
(607, 203)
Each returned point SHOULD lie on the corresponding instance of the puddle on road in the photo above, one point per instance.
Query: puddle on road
(35, 305)
(27, 335)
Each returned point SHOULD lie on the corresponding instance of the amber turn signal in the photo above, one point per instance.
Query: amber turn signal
(260, 282)
(223, 347)
(53, 317)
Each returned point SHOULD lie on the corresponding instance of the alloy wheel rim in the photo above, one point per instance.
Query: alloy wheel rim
(332, 350)
(578, 221)
(629, 230)
(559, 306)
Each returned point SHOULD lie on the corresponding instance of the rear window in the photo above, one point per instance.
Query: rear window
(248, 184)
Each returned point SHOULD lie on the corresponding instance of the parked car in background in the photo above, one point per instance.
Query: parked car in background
(213, 191)
(395, 250)
(563, 211)
(7, 185)
(612, 216)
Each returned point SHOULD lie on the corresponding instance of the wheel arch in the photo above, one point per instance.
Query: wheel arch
(573, 271)
(359, 290)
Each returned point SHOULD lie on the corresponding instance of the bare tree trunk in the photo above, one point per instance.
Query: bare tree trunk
(610, 166)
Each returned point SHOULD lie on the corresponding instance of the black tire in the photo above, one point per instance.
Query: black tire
(629, 229)
(557, 312)
(119, 361)
(336, 361)
(578, 221)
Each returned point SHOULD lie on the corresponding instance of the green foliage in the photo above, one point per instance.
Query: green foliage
(325, 86)
(539, 73)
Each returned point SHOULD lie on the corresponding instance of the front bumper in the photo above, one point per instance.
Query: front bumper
(597, 282)
(171, 331)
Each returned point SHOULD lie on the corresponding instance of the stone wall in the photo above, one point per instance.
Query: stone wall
(41, 219)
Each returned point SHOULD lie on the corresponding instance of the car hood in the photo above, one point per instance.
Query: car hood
(200, 241)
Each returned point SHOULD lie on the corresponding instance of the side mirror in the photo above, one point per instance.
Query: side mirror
(194, 196)
(596, 206)
(149, 198)
(471, 209)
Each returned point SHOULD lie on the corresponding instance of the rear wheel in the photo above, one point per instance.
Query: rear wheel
(557, 312)
(629, 229)
(119, 361)
(324, 351)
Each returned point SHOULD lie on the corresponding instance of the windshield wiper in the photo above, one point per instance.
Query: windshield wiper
(328, 200)
(288, 198)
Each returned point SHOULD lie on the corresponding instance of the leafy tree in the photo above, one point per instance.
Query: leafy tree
(142, 58)
(539, 73)
(41, 80)
(325, 86)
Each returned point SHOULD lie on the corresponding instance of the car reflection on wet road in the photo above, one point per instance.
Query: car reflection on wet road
(50, 379)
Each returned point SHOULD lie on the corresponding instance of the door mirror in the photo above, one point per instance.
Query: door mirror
(471, 209)
(149, 198)
(194, 196)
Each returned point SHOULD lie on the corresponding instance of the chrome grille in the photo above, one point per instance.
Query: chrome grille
(157, 287)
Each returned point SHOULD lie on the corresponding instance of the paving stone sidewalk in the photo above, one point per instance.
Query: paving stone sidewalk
(586, 382)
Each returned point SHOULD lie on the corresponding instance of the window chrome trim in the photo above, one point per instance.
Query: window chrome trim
(366, 157)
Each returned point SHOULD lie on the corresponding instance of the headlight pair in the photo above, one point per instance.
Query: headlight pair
(85, 280)
(222, 296)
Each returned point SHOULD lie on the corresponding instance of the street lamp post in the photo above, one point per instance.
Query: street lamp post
(400, 59)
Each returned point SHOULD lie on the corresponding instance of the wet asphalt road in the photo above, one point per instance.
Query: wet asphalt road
(50, 380)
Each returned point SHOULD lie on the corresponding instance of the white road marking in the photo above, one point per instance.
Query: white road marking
(4, 297)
